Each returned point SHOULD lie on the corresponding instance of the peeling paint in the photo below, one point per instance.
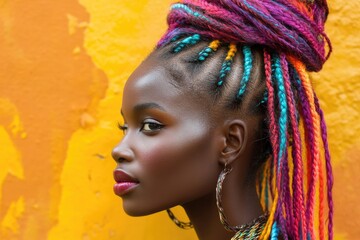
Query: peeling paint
(74, 24)
(10, 165)
(10, 221)
(10, 158)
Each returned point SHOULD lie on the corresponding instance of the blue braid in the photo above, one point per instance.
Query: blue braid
(188, 10)
(174, 39)
(308, 236)
(279, 82)
(191, 40)
(248, 60)
(204, 54)
(226, 67)
(264, 99)
(213, 47)
(275, 232)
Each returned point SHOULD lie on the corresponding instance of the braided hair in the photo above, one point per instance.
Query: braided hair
(296, 177)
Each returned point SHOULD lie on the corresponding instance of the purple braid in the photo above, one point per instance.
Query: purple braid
(330, 177)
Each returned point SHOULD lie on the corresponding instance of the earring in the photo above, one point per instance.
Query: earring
(227, 169)
(179, 223)
(244, 231)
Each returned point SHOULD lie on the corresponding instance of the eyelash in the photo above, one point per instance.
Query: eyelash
(158, 126)
(123, 127)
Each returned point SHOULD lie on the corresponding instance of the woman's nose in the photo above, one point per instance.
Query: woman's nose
(122, 153)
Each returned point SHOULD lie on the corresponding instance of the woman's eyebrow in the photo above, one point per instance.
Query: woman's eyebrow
(144, 106)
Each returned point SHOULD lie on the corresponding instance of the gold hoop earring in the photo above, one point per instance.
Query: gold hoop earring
(179, 223)
(254, 228)
(227, 169)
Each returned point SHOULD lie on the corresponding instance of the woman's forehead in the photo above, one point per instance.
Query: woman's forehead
(166, 74)
(152, 83)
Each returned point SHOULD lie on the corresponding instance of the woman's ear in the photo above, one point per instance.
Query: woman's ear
(235, 140)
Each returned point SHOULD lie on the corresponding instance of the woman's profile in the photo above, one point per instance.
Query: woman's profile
(222, 119)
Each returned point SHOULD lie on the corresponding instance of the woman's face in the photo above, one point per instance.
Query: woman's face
(170, 148)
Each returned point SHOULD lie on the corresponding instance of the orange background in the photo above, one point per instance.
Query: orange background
(62, 68)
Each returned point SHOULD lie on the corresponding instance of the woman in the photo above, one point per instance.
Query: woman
(222, 119)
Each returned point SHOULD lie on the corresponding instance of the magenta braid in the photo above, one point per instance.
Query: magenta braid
(273, 129)
(330, 178)
(286, 201)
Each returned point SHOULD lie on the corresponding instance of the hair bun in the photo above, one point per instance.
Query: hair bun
(294, 27)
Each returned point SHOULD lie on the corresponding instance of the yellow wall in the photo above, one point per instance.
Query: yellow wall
(62, 68)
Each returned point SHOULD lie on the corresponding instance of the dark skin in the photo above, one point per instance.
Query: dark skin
(176, 144)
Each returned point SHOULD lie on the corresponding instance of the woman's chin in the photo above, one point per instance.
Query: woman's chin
(137, 211)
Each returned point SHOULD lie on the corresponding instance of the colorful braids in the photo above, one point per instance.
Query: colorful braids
(294, 210)
(226, 66)
(296, 180)
(213, 47)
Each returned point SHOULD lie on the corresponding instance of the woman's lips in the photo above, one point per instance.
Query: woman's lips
(124, 182)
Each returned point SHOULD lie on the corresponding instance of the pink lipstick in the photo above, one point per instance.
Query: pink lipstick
(124, 182)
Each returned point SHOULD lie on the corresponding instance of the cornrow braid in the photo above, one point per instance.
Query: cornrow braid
(264, 99)
(188, 41)
(213, 47)
(248, 60)
(226, 66)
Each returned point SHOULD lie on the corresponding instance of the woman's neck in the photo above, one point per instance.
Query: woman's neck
(240, 207)
(204, 216)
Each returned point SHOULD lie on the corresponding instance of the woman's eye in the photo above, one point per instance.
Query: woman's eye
(151, 126)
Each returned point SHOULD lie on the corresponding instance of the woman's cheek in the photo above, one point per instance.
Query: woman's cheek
(156, 154)
(174, 149)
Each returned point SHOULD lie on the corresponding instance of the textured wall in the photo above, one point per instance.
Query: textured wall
(62, 68)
